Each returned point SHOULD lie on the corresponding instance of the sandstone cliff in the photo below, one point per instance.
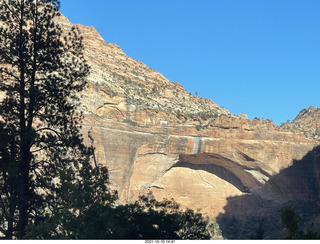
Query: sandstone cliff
(307, 122)
(154, 135)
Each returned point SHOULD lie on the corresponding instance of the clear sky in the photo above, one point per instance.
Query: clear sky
(260, 57)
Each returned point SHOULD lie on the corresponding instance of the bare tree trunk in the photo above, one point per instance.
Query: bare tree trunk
(24, 139)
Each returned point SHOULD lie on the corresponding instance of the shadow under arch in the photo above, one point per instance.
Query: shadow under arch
(297, 185)
(219, 171)
(224, 168)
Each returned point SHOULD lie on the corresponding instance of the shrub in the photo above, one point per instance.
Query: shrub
(131, 122)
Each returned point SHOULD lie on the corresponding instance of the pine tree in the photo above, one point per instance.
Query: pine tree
(45, 172)
(290, 219)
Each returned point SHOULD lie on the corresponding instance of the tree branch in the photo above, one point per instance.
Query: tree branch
(11, 11)
(9, 73)
(4, 207)
(49, 129)
(3, 231)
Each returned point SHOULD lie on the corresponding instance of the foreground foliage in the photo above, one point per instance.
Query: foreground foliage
(290, 219)
(45, 170)
(143, 219)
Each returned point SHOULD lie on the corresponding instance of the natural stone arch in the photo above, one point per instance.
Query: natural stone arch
(227, 169)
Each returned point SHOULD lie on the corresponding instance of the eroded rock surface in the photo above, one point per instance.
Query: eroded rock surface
(154, 135)
(307, 122)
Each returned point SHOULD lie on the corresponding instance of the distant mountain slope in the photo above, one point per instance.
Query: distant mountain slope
(136, 85)
(307, 122)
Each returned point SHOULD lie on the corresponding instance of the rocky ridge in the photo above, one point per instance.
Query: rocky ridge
(132, 86)
(307, 122)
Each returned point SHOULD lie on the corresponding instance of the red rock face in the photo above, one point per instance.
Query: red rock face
(154, 135)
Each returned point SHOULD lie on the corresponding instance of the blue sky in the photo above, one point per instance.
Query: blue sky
(260, 57)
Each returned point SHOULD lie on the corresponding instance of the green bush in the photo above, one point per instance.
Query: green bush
(131, 122)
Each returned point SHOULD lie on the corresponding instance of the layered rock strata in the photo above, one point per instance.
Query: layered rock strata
(154, 135)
